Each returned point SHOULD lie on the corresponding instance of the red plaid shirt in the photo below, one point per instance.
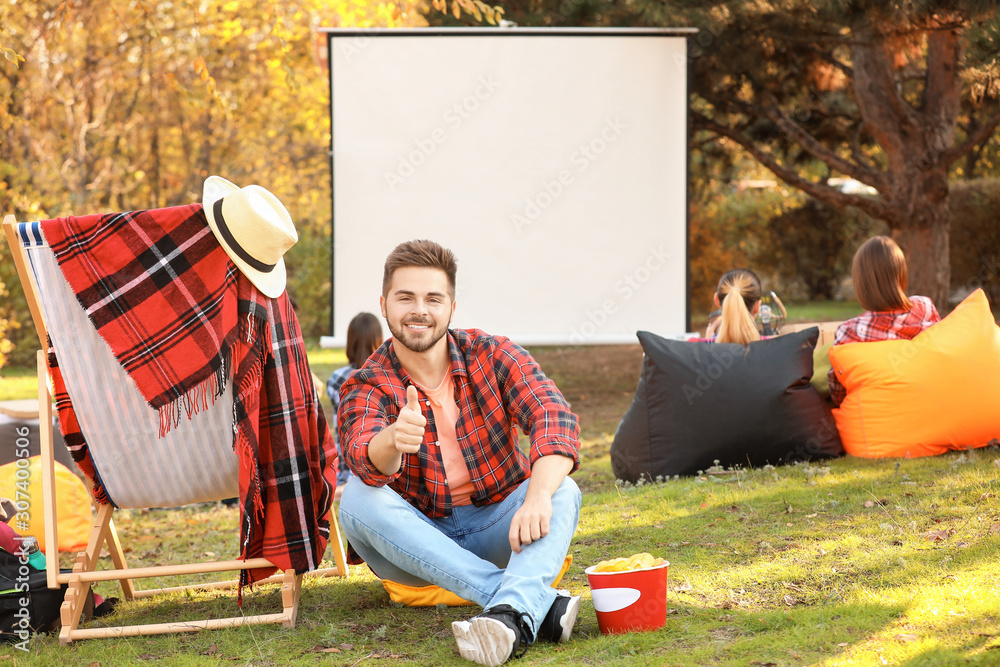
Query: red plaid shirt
(497, 387)
(888, 325)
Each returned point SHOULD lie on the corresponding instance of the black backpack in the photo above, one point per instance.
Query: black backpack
(27, 604)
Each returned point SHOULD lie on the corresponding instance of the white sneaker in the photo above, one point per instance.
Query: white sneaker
(492, 637)
(559, 621)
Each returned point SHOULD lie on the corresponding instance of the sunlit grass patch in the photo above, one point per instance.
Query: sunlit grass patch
(17, 383)
(322, 357)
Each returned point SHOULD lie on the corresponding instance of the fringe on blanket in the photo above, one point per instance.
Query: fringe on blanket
(253, 331)
(197, 398)
(254, 334)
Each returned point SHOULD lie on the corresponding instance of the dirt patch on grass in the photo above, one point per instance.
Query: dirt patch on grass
(598, 381)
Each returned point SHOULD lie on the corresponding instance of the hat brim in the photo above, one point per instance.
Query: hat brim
(272, 283)
(215, 188)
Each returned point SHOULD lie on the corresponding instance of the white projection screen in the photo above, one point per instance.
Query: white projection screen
(553, 162)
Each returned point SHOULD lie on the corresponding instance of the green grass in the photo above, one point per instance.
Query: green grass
(823, 311)
(17, 383)
(831, 564)
(813, 311)
(323, 361)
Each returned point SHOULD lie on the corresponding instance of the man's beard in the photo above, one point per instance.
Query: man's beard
(414, 344)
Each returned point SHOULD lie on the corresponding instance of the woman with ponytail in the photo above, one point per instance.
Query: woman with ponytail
(738, 296)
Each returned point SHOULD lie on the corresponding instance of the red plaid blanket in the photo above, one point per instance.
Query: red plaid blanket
(180, 318)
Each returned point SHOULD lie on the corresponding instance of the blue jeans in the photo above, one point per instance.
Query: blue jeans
(467, 553)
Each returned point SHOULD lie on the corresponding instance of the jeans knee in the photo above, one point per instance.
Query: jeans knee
(569, 492)
(348, 496)
(373, 506)
(360, 500)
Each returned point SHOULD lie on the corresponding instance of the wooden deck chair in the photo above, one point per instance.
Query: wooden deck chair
(194, 462)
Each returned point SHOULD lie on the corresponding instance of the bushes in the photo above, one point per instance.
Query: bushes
(708, 259)
(6, 347)
(803, 248)
(727, 232)
(975, 236)
(309, 281)
(18, 341)
(799, 246)
(809, 248)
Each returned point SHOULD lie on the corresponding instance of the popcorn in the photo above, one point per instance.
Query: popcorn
(634, 562)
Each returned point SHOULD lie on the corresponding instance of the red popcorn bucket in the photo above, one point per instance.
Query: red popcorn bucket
(632, 600)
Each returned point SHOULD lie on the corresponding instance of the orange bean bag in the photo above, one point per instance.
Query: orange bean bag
(936, 393)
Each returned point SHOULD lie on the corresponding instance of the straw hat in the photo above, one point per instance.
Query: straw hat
(254, 229)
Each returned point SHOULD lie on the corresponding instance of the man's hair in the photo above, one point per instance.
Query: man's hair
(421, 253)
(879, 273)
(364, 335)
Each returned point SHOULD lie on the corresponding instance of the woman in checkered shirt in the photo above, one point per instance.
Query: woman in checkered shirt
(880, 279)
(364, 335)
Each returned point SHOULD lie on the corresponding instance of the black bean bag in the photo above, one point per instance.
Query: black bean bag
(699, 402)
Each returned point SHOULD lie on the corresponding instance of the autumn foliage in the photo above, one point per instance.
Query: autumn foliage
(130, 104)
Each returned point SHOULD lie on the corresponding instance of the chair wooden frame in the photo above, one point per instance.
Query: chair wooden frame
(104, 534)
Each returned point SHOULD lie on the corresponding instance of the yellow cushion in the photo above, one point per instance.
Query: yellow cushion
(74, 518)
(926, 396)
(429, 596)
(821, 368)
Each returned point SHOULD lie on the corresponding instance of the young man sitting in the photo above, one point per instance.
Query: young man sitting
(443, 494)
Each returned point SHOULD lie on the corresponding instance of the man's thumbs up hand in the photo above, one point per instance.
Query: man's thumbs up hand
(412, 399)
(410, 423)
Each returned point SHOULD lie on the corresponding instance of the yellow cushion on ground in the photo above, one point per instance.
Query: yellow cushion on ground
(429, 596)
(74, 517)
(821, 368)
(926, 396)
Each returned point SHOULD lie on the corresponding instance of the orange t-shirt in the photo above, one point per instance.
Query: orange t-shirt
(446, 414)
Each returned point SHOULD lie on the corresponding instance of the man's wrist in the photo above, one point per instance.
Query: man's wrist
(547, 474)
(382, 451)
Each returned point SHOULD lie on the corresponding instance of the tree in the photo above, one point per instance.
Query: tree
(812, 246)
(884, 93)
(873, 91)
(126, 104)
